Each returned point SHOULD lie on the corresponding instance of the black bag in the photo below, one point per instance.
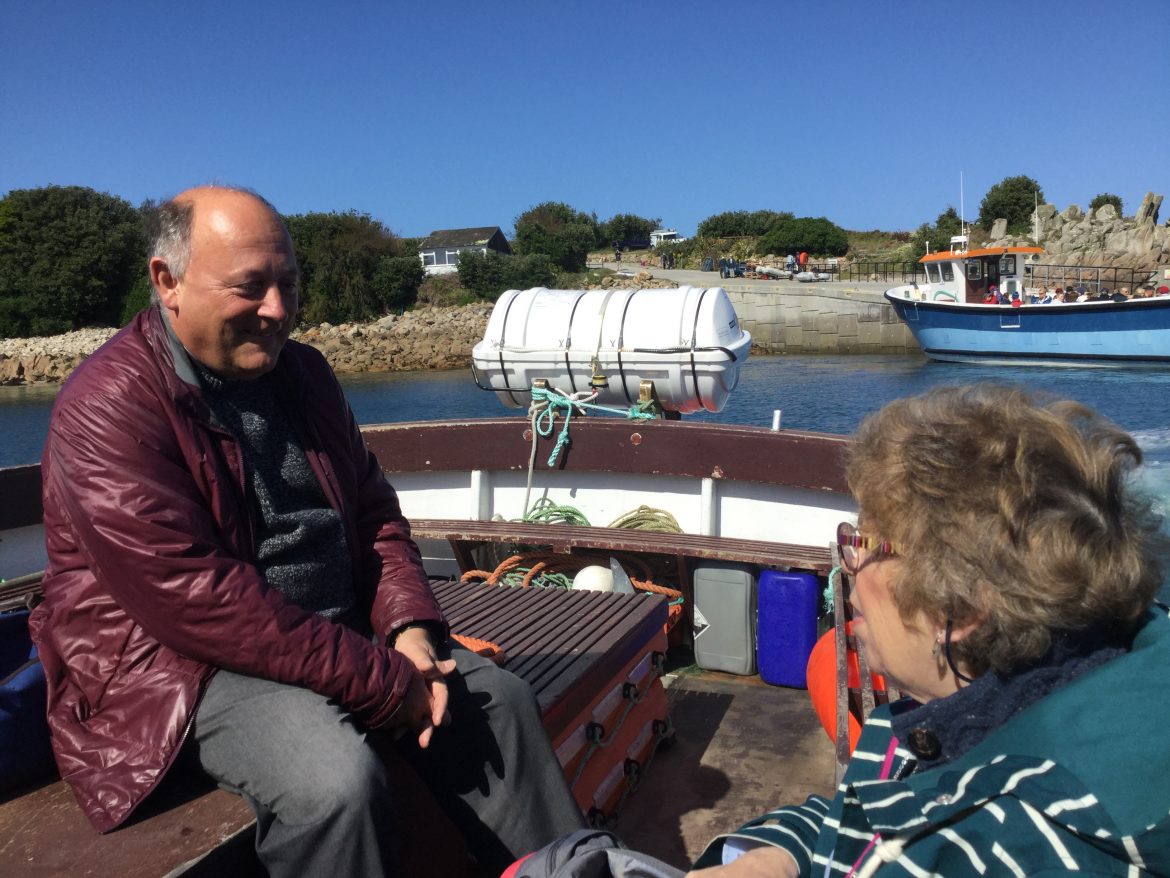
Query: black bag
(592, 853)
(25, 755)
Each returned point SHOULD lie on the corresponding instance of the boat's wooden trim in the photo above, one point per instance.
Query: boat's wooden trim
(722, 451)
(566, 539)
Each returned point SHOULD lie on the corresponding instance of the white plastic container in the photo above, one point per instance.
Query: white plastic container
(725, 618)
(687, 340)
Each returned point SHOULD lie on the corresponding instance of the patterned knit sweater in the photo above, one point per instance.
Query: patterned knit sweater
(1078, 781)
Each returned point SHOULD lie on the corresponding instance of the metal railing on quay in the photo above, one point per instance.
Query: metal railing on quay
(903, 272)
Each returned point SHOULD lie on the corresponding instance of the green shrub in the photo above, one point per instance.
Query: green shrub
(810, 234)
(444, 290)
(396, 281)
(939, 235)
(559, 232)
(490, 275)
(740, 223)
(1013, 199)
(343, 276)
(68, 257)
(136, 298)
(1106, 198)
(627, 227)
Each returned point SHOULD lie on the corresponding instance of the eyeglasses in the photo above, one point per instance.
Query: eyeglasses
(849, 541)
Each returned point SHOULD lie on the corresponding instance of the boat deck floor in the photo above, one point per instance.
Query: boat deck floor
(742, 748)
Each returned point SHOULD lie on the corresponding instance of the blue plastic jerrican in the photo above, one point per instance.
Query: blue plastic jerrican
(786, 627)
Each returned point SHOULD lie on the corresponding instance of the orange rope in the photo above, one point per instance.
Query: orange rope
(482, 647)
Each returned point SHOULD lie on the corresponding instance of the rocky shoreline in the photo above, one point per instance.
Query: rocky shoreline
(434, 337)
(426, 338)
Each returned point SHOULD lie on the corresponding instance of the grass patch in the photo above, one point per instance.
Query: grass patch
(444, 290)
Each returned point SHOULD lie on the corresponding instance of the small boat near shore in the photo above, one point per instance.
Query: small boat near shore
(952, 321)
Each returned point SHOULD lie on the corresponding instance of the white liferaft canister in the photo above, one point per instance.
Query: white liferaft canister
(687, 340)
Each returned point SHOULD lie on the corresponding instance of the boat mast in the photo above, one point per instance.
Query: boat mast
(962, 209)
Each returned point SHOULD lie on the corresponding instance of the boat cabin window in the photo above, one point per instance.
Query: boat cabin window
(974, 270)
(948, 271)
(932, 274)
(1007, 265)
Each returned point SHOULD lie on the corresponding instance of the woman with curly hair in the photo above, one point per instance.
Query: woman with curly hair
(1004, 572)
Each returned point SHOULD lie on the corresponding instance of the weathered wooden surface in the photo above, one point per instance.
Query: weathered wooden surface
(565, 539)
(567, 645)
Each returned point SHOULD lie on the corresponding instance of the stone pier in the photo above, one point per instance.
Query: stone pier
(819, 318)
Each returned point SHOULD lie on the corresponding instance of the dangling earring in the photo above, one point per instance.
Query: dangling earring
(938, 646)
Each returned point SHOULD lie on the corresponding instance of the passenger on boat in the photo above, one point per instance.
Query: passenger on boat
(993, 291)
(1004, 570)
(989, 298)
(230, 576)
(1003, 578)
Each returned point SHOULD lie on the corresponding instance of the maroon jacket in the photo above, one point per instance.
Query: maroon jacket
(151, 587)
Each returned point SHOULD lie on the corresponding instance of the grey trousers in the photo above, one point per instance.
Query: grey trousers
(322, 796)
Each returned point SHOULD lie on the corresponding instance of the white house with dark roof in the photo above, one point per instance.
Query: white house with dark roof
(440, 251)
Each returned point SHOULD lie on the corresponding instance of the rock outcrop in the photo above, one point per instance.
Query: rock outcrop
(427, 338)
(1100, 237)
(641, 280)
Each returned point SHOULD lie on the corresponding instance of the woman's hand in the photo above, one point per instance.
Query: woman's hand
(761, 862)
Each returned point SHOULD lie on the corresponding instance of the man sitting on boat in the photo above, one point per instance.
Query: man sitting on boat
(230, 576)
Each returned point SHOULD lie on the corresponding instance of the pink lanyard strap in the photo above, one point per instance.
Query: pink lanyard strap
(884, 774)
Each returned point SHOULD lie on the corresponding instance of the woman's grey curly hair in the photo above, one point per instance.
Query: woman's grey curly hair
(1014, 512)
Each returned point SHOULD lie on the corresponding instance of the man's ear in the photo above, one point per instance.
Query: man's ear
(165, 283)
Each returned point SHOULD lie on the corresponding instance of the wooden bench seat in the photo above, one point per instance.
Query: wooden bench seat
(567, 645)
(566, 539)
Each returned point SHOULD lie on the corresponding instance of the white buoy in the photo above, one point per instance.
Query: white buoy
(775, 419)
(594, 578)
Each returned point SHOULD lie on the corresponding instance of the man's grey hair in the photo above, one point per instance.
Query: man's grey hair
(169, 227)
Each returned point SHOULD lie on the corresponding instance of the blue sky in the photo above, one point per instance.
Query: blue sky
(448, 114)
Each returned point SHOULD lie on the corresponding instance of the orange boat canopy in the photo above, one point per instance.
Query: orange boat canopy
(948, 255)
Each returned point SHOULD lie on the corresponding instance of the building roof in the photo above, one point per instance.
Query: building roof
(461, 237)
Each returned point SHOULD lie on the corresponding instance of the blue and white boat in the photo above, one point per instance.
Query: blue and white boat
(952, 320)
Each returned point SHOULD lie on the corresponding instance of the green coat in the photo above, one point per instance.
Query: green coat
(1079, 781)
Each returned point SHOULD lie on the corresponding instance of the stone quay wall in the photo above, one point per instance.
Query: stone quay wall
(822, 318)
(783, 318)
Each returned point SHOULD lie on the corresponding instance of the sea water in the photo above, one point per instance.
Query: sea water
(823, 393)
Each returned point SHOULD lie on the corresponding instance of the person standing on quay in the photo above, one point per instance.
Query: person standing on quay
(231, 578)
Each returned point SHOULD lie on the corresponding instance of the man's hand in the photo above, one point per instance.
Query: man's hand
(425, 707)
(762, 862)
